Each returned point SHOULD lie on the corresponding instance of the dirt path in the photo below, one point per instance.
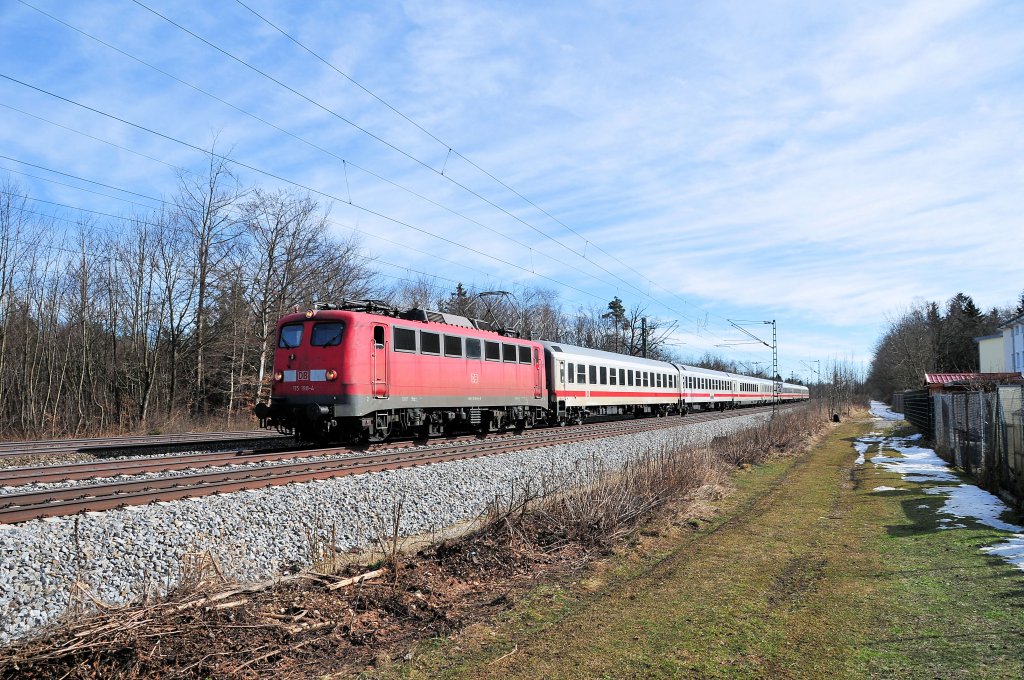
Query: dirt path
(806, 573)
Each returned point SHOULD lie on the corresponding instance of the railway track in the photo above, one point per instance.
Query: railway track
(99, 446)
(325, 464)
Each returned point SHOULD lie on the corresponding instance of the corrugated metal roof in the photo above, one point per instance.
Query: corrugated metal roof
(946, 378)
(942, 378)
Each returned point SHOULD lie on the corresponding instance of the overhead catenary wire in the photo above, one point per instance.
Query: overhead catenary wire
(531, 270)
(451, 150)
(401, 151)
(173, 229)
(351, 229)
(345, 162)
(279, 178)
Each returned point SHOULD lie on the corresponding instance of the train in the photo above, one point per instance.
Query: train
(363, 371)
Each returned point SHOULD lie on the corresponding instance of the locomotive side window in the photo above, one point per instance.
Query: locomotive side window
(604, 375)
(629, 376)
(404, 340)
(291, 336)
(581, 374)
(378, 336)
(473, 348)
(611, 376)
(430, 343)
(593, 375)
(572, 373)
(525, 355)
(622, 376)
(492, 351)
(561, 371)
(452, 346)
(327, 334)
(647, 379)
(509, 354)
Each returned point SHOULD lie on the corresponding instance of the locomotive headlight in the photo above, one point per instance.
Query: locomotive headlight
(331, 374)
(278, 376)
(310, 313)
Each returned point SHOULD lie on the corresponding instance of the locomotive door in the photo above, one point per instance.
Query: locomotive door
(380, 360)
(537, 377)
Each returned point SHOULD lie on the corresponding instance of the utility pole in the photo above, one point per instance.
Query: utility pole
(774, 347)
(776, 378)
(643, 337)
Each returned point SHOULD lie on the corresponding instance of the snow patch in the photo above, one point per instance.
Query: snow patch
(880, 410)
(962, 501)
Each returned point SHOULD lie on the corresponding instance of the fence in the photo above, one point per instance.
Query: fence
(916, 407)
(982, 433)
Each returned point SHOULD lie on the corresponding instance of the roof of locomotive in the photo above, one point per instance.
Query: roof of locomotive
(450, 323)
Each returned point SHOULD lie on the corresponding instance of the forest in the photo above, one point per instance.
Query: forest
(932, 338)
(163, 320)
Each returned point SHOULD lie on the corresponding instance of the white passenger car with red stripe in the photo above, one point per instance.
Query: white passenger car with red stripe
(584, 382)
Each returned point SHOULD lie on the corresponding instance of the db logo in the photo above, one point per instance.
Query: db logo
(474, 378)
(302, 375)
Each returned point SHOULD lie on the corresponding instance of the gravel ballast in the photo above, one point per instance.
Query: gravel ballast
(119, 555)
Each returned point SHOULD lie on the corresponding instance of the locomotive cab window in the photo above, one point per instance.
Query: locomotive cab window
(473, 348)
(452, 346)
(525, 355)
(329, 334)
(430, 343)
(404, 340)
(291, 336)
(492, 351)
(509, 354)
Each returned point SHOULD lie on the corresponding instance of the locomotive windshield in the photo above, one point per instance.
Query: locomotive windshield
(291, 336)
(327, 334)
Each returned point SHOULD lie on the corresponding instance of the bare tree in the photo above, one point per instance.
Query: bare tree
(206, 210)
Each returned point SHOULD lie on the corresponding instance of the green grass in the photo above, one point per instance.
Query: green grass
(805, 572)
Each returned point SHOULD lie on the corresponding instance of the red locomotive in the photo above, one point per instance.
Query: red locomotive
(366, 372)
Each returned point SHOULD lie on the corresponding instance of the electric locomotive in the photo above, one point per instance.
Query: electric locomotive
(364, 371)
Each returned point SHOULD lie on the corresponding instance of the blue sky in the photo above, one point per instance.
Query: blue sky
(821, 164)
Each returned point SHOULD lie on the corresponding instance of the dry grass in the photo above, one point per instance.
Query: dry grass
(603, 506)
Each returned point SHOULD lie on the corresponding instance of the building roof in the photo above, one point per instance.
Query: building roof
(994, 336)
(1012, 322)
(954, 378)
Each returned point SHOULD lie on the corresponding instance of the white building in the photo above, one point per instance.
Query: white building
(1013, 343)
(1003, 352)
